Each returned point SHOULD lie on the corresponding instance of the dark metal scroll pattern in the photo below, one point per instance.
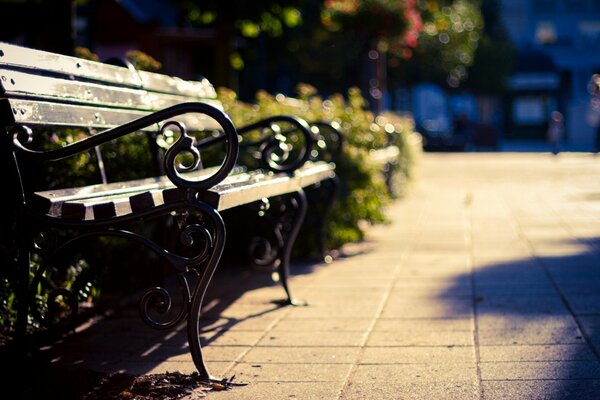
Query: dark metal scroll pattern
(276, 151)
(285, 217)
(184, 143)
(61, 306)
(321, 199)
(22, 134)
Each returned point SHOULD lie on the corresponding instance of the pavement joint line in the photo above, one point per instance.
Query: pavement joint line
(468, 232)
(386, 295)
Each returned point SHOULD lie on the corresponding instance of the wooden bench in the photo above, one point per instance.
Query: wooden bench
(41, 91)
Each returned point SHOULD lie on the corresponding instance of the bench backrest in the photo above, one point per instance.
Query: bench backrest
(41, 88)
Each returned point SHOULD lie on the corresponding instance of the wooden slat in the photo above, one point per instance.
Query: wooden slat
(385, 155)
(37, 60)
(21, 57)
(168, 84)
(123, 198)
(158, 101)
(33, 86)
(40, 113)
(271, 185)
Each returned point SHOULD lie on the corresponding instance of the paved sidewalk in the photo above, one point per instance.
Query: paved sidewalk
(486, 285)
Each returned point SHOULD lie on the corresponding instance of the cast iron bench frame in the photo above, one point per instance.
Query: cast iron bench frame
(41, 89)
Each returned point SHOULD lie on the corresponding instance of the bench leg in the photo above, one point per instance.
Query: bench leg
(199, 290)
(297, 208)
(331, 187)
(22, 289)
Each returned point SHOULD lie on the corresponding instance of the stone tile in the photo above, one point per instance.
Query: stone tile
(585, 303)
(420, 325)
(590, 323)
(240, 311)
(414, 373)
(335, 310)
(305, 355)
(210, 353)
(432, 288)
(379, 389)
(423, 308)
(314, 325)
(514, 289)
(540, 370)
(231, 338)
(282, 390)
(344, 294)
(520, 305)
(289, 339)
(541, 390)
(418, 355)
(423, 338)
(556, 352)
(265, 372)
(140, 368)
(534, 334)
(254, 323)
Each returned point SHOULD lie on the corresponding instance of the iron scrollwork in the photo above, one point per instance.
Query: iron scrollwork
(273, 246)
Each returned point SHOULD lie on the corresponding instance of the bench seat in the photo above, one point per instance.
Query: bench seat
(104, 201)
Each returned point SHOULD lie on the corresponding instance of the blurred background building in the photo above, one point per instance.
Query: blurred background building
(558, 44)
(471, 72)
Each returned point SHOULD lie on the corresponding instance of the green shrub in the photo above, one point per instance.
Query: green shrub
(363, 194)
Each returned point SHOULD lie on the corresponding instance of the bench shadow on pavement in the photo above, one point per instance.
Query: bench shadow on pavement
(538, 324)
(119, 341)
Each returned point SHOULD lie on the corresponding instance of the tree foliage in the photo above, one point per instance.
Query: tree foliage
(248, 18)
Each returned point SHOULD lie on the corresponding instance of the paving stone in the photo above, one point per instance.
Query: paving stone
(414, 373)
(218, 369)
(535, 334)
(540, 370)
(240, 311)
(418, 355)
(314, 325)
(421, 338)
(541, 390)
(254, 323)
(584, 304)
(285, 338)
(279, 372)
(432, 288)
(182, 353)
(420, 325)
(231, 338)
(328, 310)
(555, 352)
(282, 390)
(457, 308)
(304, 355)
(402, 390)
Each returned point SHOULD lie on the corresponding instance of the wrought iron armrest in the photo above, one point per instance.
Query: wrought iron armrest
(184, 144)
(275, 149)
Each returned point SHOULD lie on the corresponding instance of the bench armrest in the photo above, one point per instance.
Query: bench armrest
(275, 149)
(184, 144)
